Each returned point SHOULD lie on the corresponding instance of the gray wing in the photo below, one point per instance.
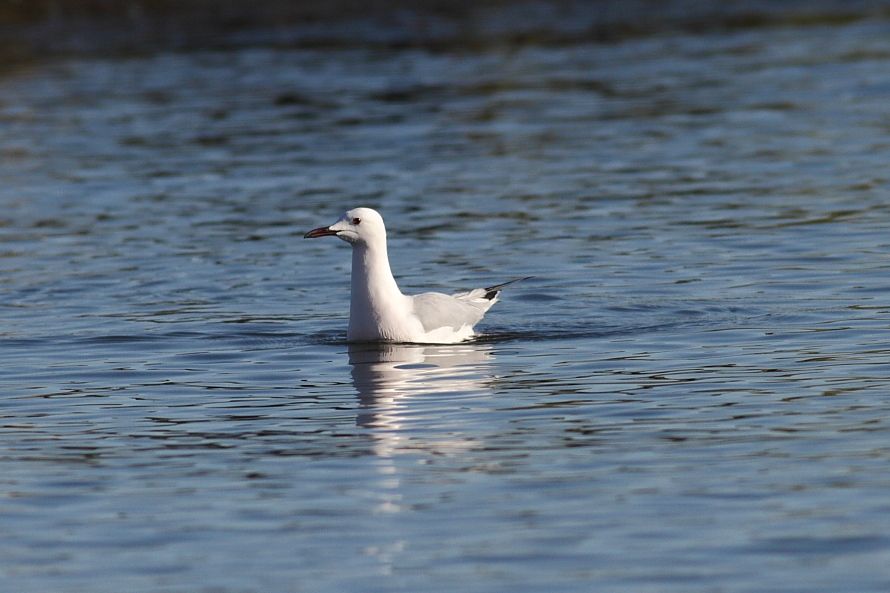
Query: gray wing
(436, 310)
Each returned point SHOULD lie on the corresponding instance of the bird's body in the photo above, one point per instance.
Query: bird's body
(378, 310)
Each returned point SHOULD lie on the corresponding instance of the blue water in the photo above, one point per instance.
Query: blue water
(691, 394)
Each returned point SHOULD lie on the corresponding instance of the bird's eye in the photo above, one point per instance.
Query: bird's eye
(356, 220)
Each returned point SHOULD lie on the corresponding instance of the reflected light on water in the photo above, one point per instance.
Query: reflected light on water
(388, 376)
(391, 379)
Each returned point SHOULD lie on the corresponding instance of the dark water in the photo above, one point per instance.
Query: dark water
(691, 395)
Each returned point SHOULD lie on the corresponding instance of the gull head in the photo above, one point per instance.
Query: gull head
(359, 226)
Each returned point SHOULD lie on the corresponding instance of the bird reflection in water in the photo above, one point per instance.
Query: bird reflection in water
(409, 401)
(389, 377)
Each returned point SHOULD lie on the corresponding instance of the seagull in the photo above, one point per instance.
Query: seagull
(379, 312)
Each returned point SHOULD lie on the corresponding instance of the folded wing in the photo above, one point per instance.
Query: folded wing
(436, 310)
(464, 309)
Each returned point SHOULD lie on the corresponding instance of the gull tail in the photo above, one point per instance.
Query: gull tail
(492, 292)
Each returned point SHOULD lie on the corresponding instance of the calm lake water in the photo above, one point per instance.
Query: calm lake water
(690, 396)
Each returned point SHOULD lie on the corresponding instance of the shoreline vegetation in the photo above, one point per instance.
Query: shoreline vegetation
(32, 29)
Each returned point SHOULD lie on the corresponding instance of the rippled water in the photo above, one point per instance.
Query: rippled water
(691, 395)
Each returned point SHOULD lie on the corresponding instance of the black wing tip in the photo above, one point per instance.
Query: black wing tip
(492, 292)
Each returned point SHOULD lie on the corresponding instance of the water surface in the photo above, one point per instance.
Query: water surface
(691, 395)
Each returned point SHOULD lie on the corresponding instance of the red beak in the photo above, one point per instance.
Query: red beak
(319, 232)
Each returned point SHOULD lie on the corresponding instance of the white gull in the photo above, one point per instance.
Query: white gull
(379, 312)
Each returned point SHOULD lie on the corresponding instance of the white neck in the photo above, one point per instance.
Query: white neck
(373, 287)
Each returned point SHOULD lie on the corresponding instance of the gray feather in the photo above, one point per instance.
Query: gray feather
(436, 310)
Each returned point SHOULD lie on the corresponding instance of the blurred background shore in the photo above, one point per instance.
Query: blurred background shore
(37, 28)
